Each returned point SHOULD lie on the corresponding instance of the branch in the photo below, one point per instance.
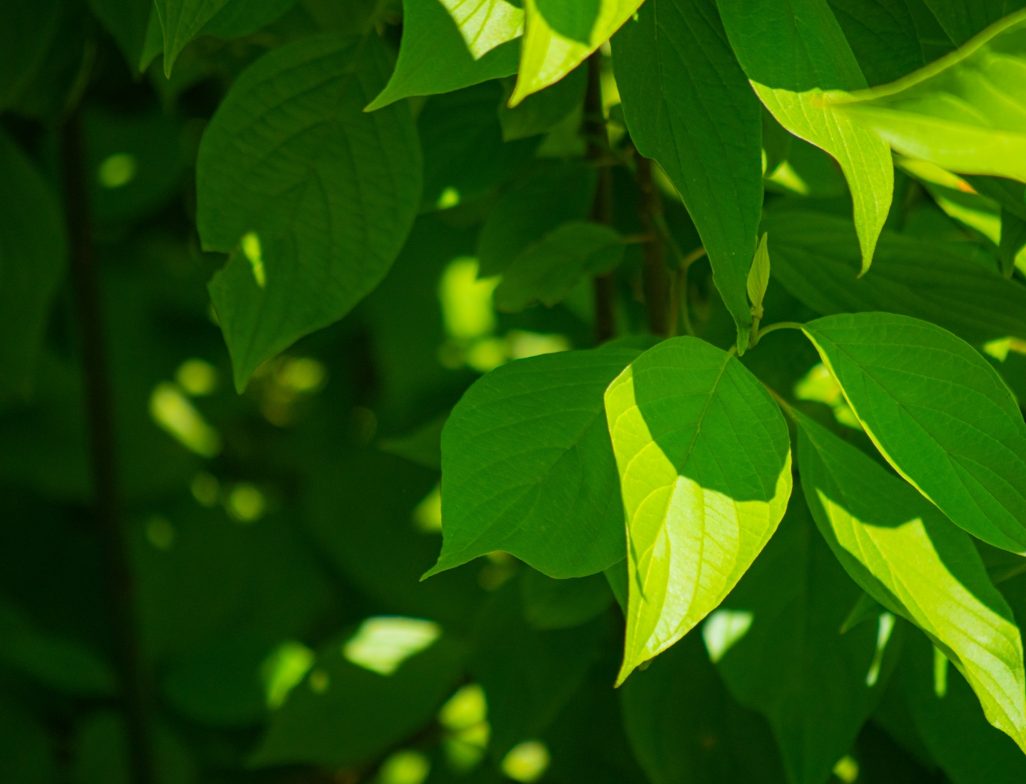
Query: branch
(102, 450)
(594, 131)
(656, 279)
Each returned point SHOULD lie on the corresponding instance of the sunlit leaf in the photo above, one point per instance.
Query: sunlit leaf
(705, 474)
(794, 67)
(908, 556)
(939, 413)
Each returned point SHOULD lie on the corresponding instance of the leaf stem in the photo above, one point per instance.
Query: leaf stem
(594, 131)
(103, 451)
(757, 336)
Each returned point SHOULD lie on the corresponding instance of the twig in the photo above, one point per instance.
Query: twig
(594, 132)
(656, 278)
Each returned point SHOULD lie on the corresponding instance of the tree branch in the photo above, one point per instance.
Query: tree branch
(594, 130)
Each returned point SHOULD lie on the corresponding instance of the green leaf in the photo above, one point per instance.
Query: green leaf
(759, 277)
(965, 112)
(908, 557)
(816, 258)
(939, 413)
(778, 644)
(688, 105)
(311, 196)
(560, 34)
(883, 35)
(548, 270)
(128, 22)
(181, 21)
(451, 44)
(527, 468)
(363, 694)
(32, 258)
(562, 604)
(705, 474)
(684, 727)
(796, 57)
(1012, 243)
(961, 20)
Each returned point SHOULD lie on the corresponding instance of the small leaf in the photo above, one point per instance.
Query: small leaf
(908, 557)
(559, 36)
(704, 127)
(181, 21)
(966, 112)
(816, 258)
(450, 44)
(796, 57)
(939, 413)
(527, 468)
(548, 270)
(705, 473)
(758, 277)
(311, 196)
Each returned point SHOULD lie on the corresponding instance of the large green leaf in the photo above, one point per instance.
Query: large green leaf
(32, 250)
(527, 468)
(705, 474)
(688, 105)
(965, 112)
(939, 413)
(778, 644)
(560, 34)
(961, 20)
(910, 559)
(816, 258)
(795, 55)
(312, 196)
(548, 270)
(451, 44)
(883, 35)
(684, 727)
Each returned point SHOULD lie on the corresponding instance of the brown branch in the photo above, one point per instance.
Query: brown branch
(656, 279)
(594, 131)
(103, 451)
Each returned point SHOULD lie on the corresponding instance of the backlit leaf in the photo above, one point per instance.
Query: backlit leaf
(705, 474)
(939, 413)
(908, 556)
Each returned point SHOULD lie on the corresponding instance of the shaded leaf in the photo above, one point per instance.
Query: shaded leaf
(705, 474)
(527, 468)
(311, 196)
(688, 105)
(181, 21)
(939, 413)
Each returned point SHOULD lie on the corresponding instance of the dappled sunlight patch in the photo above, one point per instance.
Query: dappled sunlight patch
(383, 643)
(117, 170)
(404, 767)
(283, 669)
(246, 503)
(527, 761)
(723, 629)
(197, 377)
(819, 386)
(176, 415)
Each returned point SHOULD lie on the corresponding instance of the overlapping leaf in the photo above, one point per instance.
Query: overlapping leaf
(816, 258)
(527, 468)
(908, 557)
(688, 105)
(965, 112)
(705, 474)
(560, 34)
(451, 44)
(796, 56)
(939, 413)
(311, 195)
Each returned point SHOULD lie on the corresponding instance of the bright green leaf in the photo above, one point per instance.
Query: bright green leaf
(705, 474)
(527, 467)
(816, 258)
(560, 34)
(547, 270)
(758, 277)
(311, 196)
(451, 44)
(796, 57)
(688, 105)
(939, 413)
(778, 643)
(965, 112)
